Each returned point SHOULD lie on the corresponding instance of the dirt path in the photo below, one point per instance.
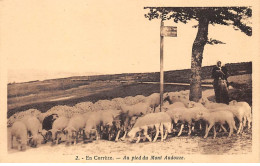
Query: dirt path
(184, 145)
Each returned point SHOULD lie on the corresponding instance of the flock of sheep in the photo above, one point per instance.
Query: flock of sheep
(127, 118)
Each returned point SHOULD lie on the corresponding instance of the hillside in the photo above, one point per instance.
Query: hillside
(45, 94)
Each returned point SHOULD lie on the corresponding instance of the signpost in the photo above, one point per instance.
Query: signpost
(165, 31)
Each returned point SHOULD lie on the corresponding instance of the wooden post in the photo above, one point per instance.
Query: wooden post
(161, 66)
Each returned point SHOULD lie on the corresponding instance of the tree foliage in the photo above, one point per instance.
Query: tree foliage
(238, 17)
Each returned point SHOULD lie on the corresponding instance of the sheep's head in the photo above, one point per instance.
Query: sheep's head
(34, 141)
(131, 134)
(167, 98)
(190, 104)
(149, 110)
(70, 132)
(203, 101)
(199, 115)
(55, 116)
(233, 102)
(176, 118)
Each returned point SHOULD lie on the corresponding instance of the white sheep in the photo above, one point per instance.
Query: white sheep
(58, 127)
(211, 105)
(248, 111)
(153, 100)
(92, 122)
(19, 132)
(200, 107)
(20, 115)
(157, 120)
(137, 109)
(220, 116)
(34, 128)
(238, 112)
(75, 126)
(173, 97)
(184, 115)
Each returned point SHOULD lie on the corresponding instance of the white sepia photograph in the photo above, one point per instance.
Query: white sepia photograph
(129, 81)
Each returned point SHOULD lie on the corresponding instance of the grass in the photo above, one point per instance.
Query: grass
(43, 95)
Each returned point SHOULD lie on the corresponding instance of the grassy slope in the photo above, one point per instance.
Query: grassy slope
(39, 94)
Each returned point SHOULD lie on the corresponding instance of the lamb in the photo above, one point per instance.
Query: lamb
(19, 132)
(58, 127)
(238, 112)
(153, 100)
(106, 122)
(92, 125)
(121, 123)
(172, 97)
(75, 125)
(34, 127)
(20, 115)
(248, 111)
(200, 107)
(184, 115)
(157, 120)
(222, 117)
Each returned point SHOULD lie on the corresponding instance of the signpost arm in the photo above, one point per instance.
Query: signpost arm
(161, 66)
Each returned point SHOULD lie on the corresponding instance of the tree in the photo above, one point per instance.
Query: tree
(238, 17)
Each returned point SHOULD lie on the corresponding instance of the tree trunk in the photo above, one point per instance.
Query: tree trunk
(196, 58)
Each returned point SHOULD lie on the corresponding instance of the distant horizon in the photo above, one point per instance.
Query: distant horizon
(41, 75)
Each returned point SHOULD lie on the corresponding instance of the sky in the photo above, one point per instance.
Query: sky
(61, 38)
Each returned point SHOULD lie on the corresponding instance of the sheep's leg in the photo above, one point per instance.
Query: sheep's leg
(138, 138)
(56, 138)
(76, 139)
(207, 132)
(97, 135)
(244, 121)
(146, 134)
(125, 130)
(161, 132)
(182, 125)
(117, 136)
(239, 128)
(12, 142)
(123, 138)
(200, 126)
(156, 135)
(189, 126)
(223, 128)
(248, 122)
(165, 135)
(168, 129)
(230, 129)
(215, 133)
